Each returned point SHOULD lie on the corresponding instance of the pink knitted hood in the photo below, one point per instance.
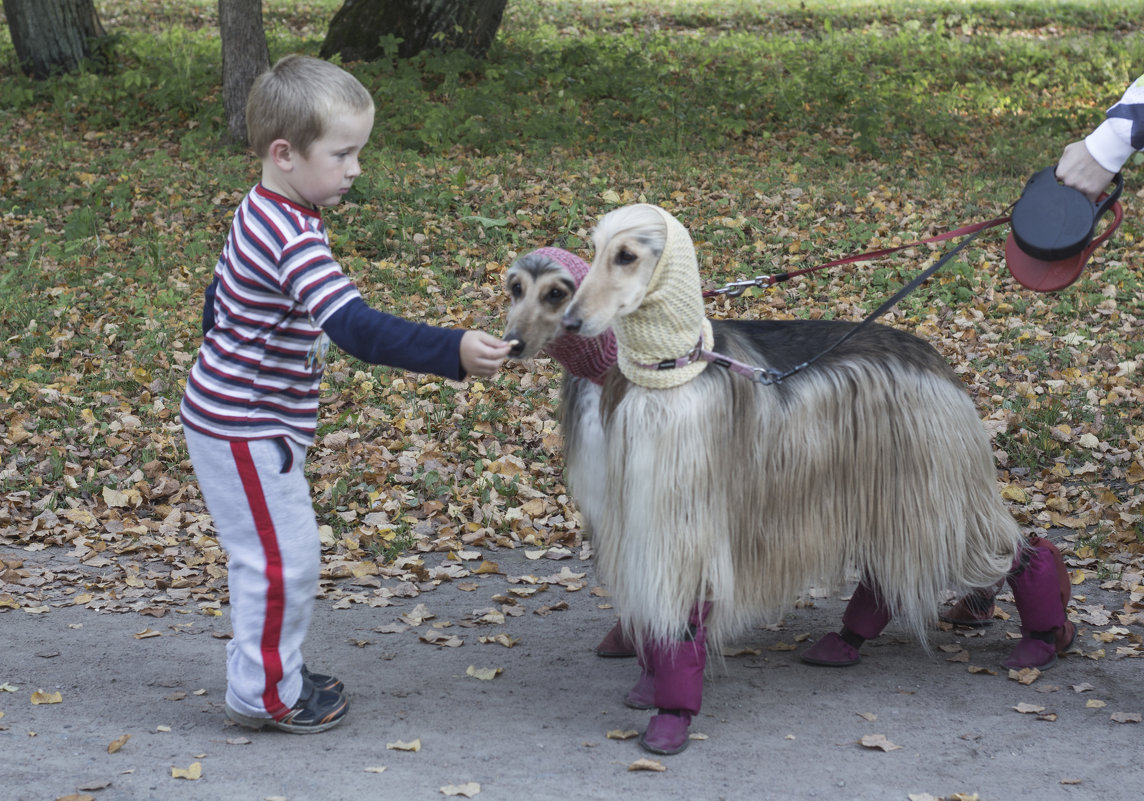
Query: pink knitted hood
(585, 357)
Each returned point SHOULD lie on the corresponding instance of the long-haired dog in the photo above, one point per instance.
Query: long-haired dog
(540, 285)
(725, 497)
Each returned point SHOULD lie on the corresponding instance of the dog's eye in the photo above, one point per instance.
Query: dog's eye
(556, 294)
(515, 289)
(625, 256)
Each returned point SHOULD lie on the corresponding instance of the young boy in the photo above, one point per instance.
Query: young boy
(251, 402)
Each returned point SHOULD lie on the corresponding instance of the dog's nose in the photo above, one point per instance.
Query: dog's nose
(572, 323)
(516, 343)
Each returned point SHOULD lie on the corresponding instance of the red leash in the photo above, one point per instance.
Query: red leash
(736, 288)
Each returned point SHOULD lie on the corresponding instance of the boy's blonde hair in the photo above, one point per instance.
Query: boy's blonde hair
(294, 99)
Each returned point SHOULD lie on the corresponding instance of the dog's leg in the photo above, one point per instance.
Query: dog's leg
(1041, 592)
(677, 675)
(642, 693)
(616, 644)
(975, 608)
(865, 616)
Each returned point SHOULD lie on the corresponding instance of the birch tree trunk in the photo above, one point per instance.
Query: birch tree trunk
(244, 55)
(469, 25)
(53, 35)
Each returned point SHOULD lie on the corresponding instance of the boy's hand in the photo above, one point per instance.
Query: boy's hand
(482, 354)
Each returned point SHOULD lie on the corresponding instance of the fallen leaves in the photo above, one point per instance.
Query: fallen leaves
(412, 745)
(468, 790)
(42, 697)
(483, 674)
(1025, 676)
(193, 772)
(647, 764)
(877, 741)
(622, 734)
(118, 743)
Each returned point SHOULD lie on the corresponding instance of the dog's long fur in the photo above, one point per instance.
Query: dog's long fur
(872, 460)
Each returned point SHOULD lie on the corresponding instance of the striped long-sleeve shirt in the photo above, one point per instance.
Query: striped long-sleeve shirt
(1122, 132)
(277, 292)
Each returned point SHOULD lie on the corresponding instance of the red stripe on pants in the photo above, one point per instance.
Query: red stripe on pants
(276, 589)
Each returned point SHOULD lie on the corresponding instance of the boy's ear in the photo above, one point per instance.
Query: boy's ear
(282, 154)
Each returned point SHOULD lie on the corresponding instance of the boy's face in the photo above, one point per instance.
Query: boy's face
(324, 175)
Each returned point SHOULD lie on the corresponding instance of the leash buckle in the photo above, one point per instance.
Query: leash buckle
(766, 376)
(737, 288)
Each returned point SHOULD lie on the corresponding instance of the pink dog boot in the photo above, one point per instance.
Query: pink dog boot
(642, 694)
(865, 617)
(974, 609)
(615, 644)
(667, 732)
(1041, 592)
(678, 670)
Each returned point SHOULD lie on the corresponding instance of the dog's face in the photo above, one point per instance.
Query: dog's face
(540, 290)
(628, 243)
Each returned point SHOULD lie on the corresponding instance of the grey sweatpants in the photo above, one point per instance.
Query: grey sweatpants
(258, 497)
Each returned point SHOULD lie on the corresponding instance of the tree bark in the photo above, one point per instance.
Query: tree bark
(469, 25)
(245, 55)
(53, 35)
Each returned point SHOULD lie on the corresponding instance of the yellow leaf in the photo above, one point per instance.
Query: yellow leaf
(1095, 704)
(486, 567)
(147, 634)
(41, 697)
(1025, 675)
(1135, 473)
(647, 764)
(1077, 577)
(1026, 709)
(468, 790)
(414, 745)
(878, 741)
(1012, 492)
(622, 734)
(118, 743)
(193, 771)
(484, 674)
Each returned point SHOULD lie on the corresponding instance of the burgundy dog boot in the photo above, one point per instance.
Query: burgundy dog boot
(667, 732)
(975, 608)
(678, 672)
(642, 694)
(615, 644)
(865, 617)
(1041, 592)
(831, 651)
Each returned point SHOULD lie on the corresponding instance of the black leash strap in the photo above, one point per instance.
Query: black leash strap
(776, 376)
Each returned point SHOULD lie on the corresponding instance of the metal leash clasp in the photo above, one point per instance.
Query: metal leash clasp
(737, 288)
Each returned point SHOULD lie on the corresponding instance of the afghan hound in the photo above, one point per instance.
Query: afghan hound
(725, 497)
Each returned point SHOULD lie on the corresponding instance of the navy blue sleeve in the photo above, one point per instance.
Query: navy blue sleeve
(208, 306)
(379, 338)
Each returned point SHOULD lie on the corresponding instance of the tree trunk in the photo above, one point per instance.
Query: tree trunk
(244, 56)
(52, 35)
(469, 25)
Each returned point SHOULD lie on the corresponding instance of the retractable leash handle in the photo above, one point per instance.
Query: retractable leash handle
(1052, 231)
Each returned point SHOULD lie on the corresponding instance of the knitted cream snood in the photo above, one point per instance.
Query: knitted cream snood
(669, 322)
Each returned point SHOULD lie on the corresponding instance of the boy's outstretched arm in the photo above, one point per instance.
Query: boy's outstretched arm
(482, 354)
